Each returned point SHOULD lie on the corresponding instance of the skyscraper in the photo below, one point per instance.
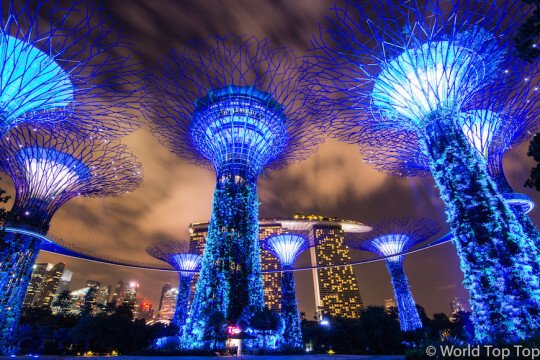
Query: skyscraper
(166, 287)
(103, 294)
(130, 293)
(49, 286)
(271, 281)
(389, 305)
(118, 294)
(38, 273)
(65, 281)
(336, 290)
(93, 284)
(168, 302)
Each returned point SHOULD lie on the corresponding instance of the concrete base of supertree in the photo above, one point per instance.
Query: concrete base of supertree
(182, 301)
(409, 320)
(230, 278)
(18, 254)
(491, 244)
(292, 335)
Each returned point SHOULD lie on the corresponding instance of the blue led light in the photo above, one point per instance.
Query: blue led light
(50, 172)
(186, 263)
(30, 80)
(286, 248)
(234, 105)
(438, 75)
(49, 168)
(239, 129)
(396, 237)
(400, 78)
(481, 127)
(521, 202)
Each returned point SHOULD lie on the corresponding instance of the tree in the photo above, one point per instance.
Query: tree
(266, 322)
(63, 301)
(3, 200)
(528, 34)
(378, 333)
(534, 151)
(216, 331)
(89, 300)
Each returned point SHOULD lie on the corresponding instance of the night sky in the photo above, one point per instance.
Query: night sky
(334, 181)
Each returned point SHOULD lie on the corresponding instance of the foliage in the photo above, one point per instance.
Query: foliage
(534, 151)
(63, 302)
(375, 332)
(230, 277)
(266, 322)
(40, 332)
(58, 68)
(495, 254)
(408, 315)
(214, 332)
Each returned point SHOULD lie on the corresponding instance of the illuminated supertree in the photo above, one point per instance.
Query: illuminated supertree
(48, 168)
(498, 119)
(286, 248)
(233, 105)
(176, 254)
(396, 237)
(63, 64)
(411, 67)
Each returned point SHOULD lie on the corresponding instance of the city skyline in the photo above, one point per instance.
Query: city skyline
(334, 181)
(162, 309)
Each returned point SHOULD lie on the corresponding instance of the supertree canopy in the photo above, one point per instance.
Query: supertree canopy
(286, 248)
(410, 68)
(397, 237)
(176, 254)
(48, 168)
(233, 105)
(63, 64)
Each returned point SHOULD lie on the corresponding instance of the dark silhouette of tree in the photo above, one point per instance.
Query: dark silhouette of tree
(89, 301)
(3, 200)
(534, 151)
(379, 332)
(63, 301)
(125, 311)
(216, 331)
(528, 34)
(266, 322)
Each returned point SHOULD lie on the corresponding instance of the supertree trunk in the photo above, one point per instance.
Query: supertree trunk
(493, 249)
(526, 223)
(182, 301)
(292, 335)
(409, 320)
(230, 277)
(19, 253)
(532, 232)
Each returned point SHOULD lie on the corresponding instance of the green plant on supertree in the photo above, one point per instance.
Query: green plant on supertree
(409, 68)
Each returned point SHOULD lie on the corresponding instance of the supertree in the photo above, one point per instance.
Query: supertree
(410, 68)
(286, 248)
(233, 105)
(397, 237)
(176, 254)
(497, 120)
(48, 168)
(66, 64)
